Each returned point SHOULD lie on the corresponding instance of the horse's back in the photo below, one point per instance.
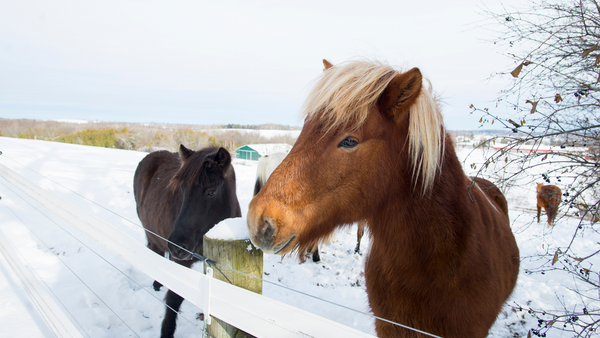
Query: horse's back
(493, 192)
(156, 162)
(500, 245)
(156, 204)
(550, 191)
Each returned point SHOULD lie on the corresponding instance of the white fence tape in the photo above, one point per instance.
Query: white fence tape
(51, 312)
(248, 311)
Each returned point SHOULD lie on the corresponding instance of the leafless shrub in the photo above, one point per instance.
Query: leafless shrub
(147, 137)
(555, 99)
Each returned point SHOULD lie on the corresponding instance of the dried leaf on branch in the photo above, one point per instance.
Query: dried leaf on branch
(586, 52)
(558, 98)
(514, 123)
(517, 71)
(533, 104)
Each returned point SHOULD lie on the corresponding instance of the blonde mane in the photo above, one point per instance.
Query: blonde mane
(344, 95)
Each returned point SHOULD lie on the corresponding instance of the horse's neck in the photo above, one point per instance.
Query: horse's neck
(416, 224)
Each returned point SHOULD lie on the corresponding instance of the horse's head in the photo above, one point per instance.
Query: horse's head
(365, 124)
(206, 180)
(539, 186)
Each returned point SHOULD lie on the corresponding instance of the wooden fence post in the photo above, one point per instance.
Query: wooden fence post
(239, 255)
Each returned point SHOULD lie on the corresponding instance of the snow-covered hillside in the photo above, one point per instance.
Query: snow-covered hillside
(107, 297)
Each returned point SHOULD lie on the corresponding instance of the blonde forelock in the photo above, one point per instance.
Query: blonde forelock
(343, 96)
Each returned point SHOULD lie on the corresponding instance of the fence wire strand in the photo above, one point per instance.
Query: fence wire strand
(42, 280)
(92, 250)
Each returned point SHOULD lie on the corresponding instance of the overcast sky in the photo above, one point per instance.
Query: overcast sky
(244, 62)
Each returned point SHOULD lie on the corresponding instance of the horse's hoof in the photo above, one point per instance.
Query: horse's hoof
(316, 257)
(156, 285)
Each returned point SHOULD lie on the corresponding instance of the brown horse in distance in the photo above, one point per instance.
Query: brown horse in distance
(548, 197)
(373, 146)
(180, 197)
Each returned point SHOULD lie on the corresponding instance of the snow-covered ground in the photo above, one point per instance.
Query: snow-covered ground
(107, 297)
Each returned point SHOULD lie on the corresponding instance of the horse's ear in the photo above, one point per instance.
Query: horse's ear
(222, 158)
(401, 93)
(184, 152)
(327, 64)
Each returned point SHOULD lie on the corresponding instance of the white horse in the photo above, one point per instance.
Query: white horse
(266, 166)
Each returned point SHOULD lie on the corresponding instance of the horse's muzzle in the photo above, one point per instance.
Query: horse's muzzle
(264, 234)
(180, 252)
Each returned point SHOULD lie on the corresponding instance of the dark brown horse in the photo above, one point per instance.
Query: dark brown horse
(180, 197)
(443, 257)
(548, 197)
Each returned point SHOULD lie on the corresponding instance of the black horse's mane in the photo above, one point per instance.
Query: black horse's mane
(197, 168)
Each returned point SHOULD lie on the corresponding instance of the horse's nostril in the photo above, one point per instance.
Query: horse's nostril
(269, 233)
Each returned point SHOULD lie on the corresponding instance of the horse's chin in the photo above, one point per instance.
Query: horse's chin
(287, 247)
(183, 257)
(281, 248)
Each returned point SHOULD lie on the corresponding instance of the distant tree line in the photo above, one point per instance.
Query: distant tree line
(270, 126)
(141, 137)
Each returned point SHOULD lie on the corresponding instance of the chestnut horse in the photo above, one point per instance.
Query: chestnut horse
(181, 197)
(373, 146)
(548, 197)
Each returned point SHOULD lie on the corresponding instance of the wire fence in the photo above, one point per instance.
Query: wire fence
(74, 273)
(212, 263)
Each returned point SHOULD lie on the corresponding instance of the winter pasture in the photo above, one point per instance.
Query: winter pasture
(106, 297)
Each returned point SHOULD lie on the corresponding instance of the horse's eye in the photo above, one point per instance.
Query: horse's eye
(211, 192)
(349, 142)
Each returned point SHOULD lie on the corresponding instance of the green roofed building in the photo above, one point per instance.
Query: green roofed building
(255, 151)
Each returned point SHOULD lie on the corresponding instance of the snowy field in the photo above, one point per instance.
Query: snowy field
(107, 297)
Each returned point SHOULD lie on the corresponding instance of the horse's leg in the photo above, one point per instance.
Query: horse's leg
(359, 234)
(539, 210)
(152, 246)
(315, 253)
(552, 211)
(557, 200)
(548, 212)
(173, 301)
(170, 321)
